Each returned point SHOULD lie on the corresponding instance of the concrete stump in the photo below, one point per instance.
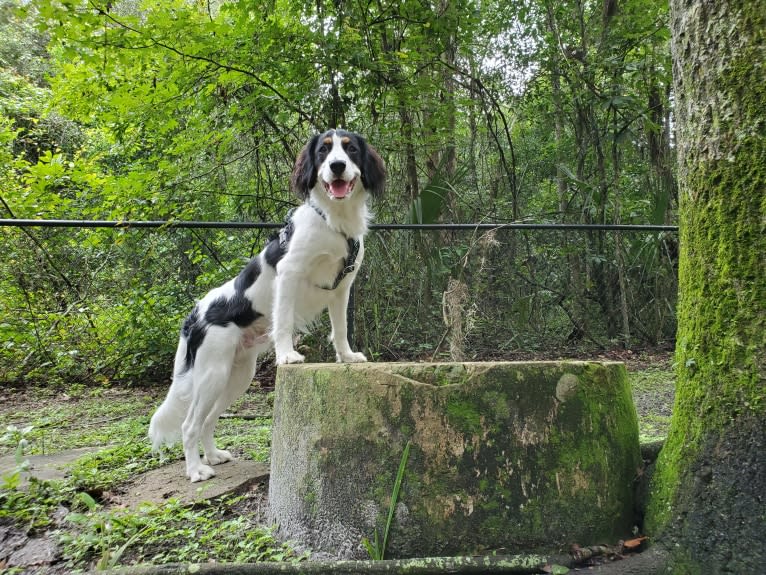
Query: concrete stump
(516, 457)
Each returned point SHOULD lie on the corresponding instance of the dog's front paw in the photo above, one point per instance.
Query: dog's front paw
(200, 473)
(351, 357)
(290, 357)
(218, 456)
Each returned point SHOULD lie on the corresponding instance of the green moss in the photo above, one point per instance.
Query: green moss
(653, 428)
(464, 416)
(664, 486)
(309, 495)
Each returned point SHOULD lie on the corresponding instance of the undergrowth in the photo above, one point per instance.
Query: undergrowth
(653, 394)
(169, 533)
(74, 511)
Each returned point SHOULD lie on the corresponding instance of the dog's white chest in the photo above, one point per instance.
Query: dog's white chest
(326, 271)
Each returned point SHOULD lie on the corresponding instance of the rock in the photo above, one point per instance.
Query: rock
(43, 467)
(517, 457)
(38, 551)
(158, 485)
(11, 538)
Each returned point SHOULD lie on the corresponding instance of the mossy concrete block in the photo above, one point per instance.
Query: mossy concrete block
(520, 457)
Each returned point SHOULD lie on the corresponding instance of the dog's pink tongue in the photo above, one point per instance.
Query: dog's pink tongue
(340, 188)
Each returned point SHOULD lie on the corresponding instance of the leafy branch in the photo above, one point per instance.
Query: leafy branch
(206, 59)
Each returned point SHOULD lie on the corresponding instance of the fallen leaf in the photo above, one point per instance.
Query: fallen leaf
(634, 543)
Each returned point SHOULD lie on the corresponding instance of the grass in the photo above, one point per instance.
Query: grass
(169, 533)
(84, 418)
(377, 548)
(653, 393)
(78, 418)
(94, 536)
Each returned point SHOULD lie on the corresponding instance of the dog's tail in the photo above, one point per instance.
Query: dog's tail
(165, 426)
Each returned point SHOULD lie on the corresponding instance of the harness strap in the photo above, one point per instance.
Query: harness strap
(353, 245)
(349, 263)
(286, 233)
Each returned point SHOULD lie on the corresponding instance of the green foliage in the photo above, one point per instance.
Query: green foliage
(15, 436)
(45, 427)
(31, 506)
(169, 533)
(95, 536)
(501, 111)
(112, 466)
(653, 393)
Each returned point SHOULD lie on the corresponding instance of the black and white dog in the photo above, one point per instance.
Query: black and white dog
(307, 268)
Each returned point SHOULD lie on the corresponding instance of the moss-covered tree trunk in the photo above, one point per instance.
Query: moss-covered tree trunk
(709, 491)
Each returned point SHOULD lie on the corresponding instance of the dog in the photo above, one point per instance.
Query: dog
(309, 266)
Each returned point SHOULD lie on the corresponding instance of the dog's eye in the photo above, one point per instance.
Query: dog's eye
(351, 149)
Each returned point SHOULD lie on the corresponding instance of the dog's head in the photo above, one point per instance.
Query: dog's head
(338, 164)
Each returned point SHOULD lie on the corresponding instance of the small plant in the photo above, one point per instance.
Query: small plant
(13, 502)
(96, 535)
(31, 506)
(377, 548)
(168, 533)
(103, 470)
(101, 525)
(18, 437)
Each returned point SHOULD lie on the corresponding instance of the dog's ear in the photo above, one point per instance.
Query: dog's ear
(304, 175)
(373, 171)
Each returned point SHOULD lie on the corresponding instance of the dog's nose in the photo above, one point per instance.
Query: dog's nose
(338, 168)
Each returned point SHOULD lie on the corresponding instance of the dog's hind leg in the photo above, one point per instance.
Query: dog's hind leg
(239, 380)
(211, 372)
(191, 430)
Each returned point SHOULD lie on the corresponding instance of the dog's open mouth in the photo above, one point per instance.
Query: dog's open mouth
(339, 189)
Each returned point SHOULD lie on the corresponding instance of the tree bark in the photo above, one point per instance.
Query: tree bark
(707, 503)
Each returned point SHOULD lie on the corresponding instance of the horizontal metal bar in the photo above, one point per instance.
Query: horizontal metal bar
(118, 224)
(518, 226)
(125, 224)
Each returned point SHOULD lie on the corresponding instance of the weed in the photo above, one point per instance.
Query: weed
(171, 532)
(375, 548)
(84, 421)
(653, 394)
(103, 470)
(93, 536)
(18, 437)
(31, 507)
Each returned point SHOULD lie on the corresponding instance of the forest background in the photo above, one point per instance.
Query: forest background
(527, 111)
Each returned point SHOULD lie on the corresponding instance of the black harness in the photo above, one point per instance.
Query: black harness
(353, 244)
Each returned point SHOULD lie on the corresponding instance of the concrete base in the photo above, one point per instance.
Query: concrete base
(515, 457)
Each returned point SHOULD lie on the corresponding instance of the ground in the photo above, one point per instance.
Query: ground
(93, 442)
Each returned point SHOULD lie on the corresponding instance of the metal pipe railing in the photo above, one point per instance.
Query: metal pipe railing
(127, 224)
(196, 224)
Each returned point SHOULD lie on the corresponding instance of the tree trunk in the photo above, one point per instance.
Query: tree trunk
(707, 502)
